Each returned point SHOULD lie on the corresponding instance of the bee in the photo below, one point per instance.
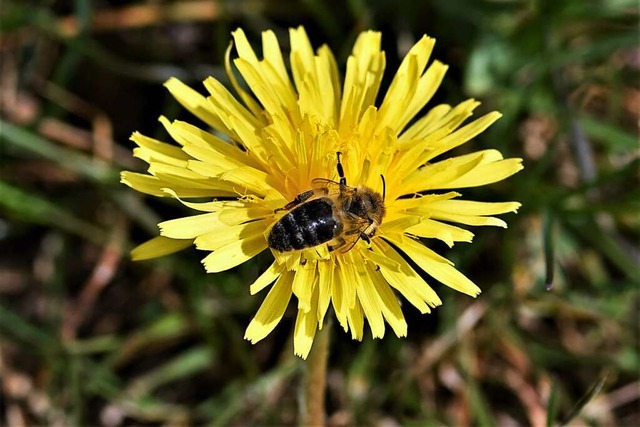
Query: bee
(331, 212)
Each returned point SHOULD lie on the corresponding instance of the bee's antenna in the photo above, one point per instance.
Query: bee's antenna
(343, 180)
(384, 188)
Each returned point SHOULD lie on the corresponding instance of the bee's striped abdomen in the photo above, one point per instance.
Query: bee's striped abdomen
(310, 224)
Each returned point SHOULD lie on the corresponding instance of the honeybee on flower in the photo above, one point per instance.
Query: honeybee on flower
(330, 212)
(336, 187)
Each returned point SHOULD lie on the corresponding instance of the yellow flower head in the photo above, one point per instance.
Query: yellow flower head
(301, 165)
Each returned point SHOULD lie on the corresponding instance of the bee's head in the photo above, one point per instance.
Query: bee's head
(367, 203)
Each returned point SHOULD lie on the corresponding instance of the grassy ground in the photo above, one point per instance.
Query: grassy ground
(88, 337)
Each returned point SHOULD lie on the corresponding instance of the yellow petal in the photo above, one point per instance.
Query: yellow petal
(370, 61)
(242, 179)
(392, 108)
(368, 298)
(185, 181)
(250, 137)
(407, 281)
(195, 103)
(365, 68)
(149, 156)
(404, 86)
(325, 283)
(355, 320)
(216, 161)
(424, 126)
(301, 56)
(189, 136)
(304, 284)
(416, 154)
(258, 182)
(399, 224)
(244, 95)
(468, 212)
(379, 259)
(440, 175)
(464, 134)
(278, 137)
(274, 94)
(427, 86)
(143, 183)
(468, 207)
(337, 298)
(273, 54)
(271, 310)
(437, 267)
(329, 85)
(234, 254)
(471, 220)
(347, 273)
(190, 227)
(231, 212)
(415, 203)
(153, 150)
(268, 277)
(318, 92)
(243, 46)
(159, 246)
(388, 302)
(487, 174)
(221, 234)
(156, 187)
(225, 105)
(306, 327)
(438, 230)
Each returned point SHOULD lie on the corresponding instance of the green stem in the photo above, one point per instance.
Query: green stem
(315, 380)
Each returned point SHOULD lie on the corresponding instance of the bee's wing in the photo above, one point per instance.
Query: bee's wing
(332, 187)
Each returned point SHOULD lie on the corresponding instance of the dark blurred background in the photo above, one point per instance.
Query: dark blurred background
(90, 338)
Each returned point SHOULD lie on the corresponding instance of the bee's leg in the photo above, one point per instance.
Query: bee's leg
(352, 232)
(343, 180)
(340, 243)
(301, 198)
(344, 251)
(362, 234)
(366, 238)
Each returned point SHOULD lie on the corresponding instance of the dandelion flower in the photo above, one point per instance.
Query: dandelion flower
(272, 142)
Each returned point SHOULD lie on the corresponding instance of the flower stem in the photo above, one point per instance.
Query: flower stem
(315, 379)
